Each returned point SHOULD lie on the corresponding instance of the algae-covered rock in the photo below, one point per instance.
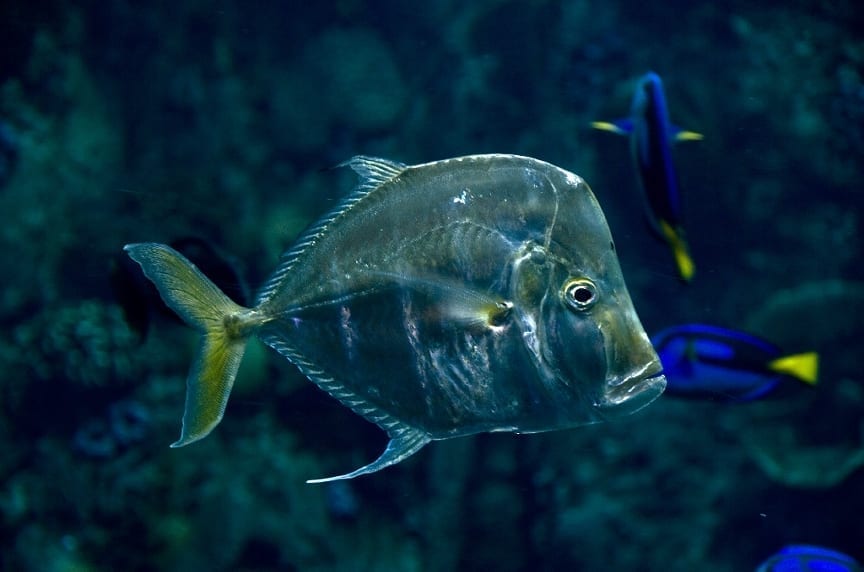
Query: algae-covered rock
(86, 343)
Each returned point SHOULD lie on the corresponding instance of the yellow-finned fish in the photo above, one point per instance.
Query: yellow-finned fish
(651, 137)
(480, 293)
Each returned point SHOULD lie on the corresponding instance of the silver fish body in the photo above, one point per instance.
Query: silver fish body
(480, 293)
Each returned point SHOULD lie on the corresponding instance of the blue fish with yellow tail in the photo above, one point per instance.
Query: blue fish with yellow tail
(651, 137)
(473, 294)
(809, 558)
(706, 361)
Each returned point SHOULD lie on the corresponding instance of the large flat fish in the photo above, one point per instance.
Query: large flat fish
(480, 293)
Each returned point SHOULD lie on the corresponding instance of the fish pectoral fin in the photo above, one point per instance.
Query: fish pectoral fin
(803, 367)
(404, 442)
(454, 302)
(619, 126)
(682, 135)
(478, 312)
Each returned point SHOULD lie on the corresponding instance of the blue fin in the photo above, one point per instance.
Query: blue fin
(404, 442)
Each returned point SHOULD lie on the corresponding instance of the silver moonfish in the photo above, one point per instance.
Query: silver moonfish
(474, 294)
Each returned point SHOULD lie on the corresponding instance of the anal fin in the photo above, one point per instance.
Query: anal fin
(404, 442)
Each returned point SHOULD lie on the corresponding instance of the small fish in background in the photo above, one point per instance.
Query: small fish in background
(651, 137)
(474, 294)
(140, 300)
(704, 361)
(809, 558)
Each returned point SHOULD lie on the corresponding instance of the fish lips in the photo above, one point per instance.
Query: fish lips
(625, 395)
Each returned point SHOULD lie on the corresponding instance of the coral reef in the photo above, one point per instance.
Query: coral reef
(87, 343)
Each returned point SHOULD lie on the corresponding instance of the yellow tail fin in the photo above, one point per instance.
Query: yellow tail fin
(676, 241)
(225, 326)
(804, 366)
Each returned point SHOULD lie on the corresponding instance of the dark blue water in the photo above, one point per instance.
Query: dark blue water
(122, 122)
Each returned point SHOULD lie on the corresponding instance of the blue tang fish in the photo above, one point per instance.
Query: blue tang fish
(708, 361)
(808, 558)
(473, 294)
(651, 137)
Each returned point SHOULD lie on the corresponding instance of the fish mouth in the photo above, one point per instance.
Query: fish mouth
(631, 393)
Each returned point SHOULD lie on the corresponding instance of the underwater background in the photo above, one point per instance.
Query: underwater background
(216, 124)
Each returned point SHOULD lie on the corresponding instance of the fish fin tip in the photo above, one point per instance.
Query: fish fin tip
(404, 442)
(683, 135)
(683, 261)
(374, 171)
(186, 440)
(620, 127)
(803, 367)
(686, 268)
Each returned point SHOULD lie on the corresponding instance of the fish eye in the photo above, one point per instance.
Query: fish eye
(580, 293)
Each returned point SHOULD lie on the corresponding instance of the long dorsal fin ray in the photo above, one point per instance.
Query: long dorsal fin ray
(373, 173)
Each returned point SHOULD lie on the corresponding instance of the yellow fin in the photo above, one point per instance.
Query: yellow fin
(688, 136)
(683, 261)
(478, 313)
(225, 326)
(607, 126)
(803, 366)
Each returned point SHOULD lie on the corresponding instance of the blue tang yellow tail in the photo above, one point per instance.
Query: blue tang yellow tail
(708, 361)
(651, 136)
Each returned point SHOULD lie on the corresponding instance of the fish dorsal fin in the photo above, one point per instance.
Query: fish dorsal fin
(373, 173)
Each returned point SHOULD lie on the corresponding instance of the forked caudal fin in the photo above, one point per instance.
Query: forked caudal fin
(224, 325)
